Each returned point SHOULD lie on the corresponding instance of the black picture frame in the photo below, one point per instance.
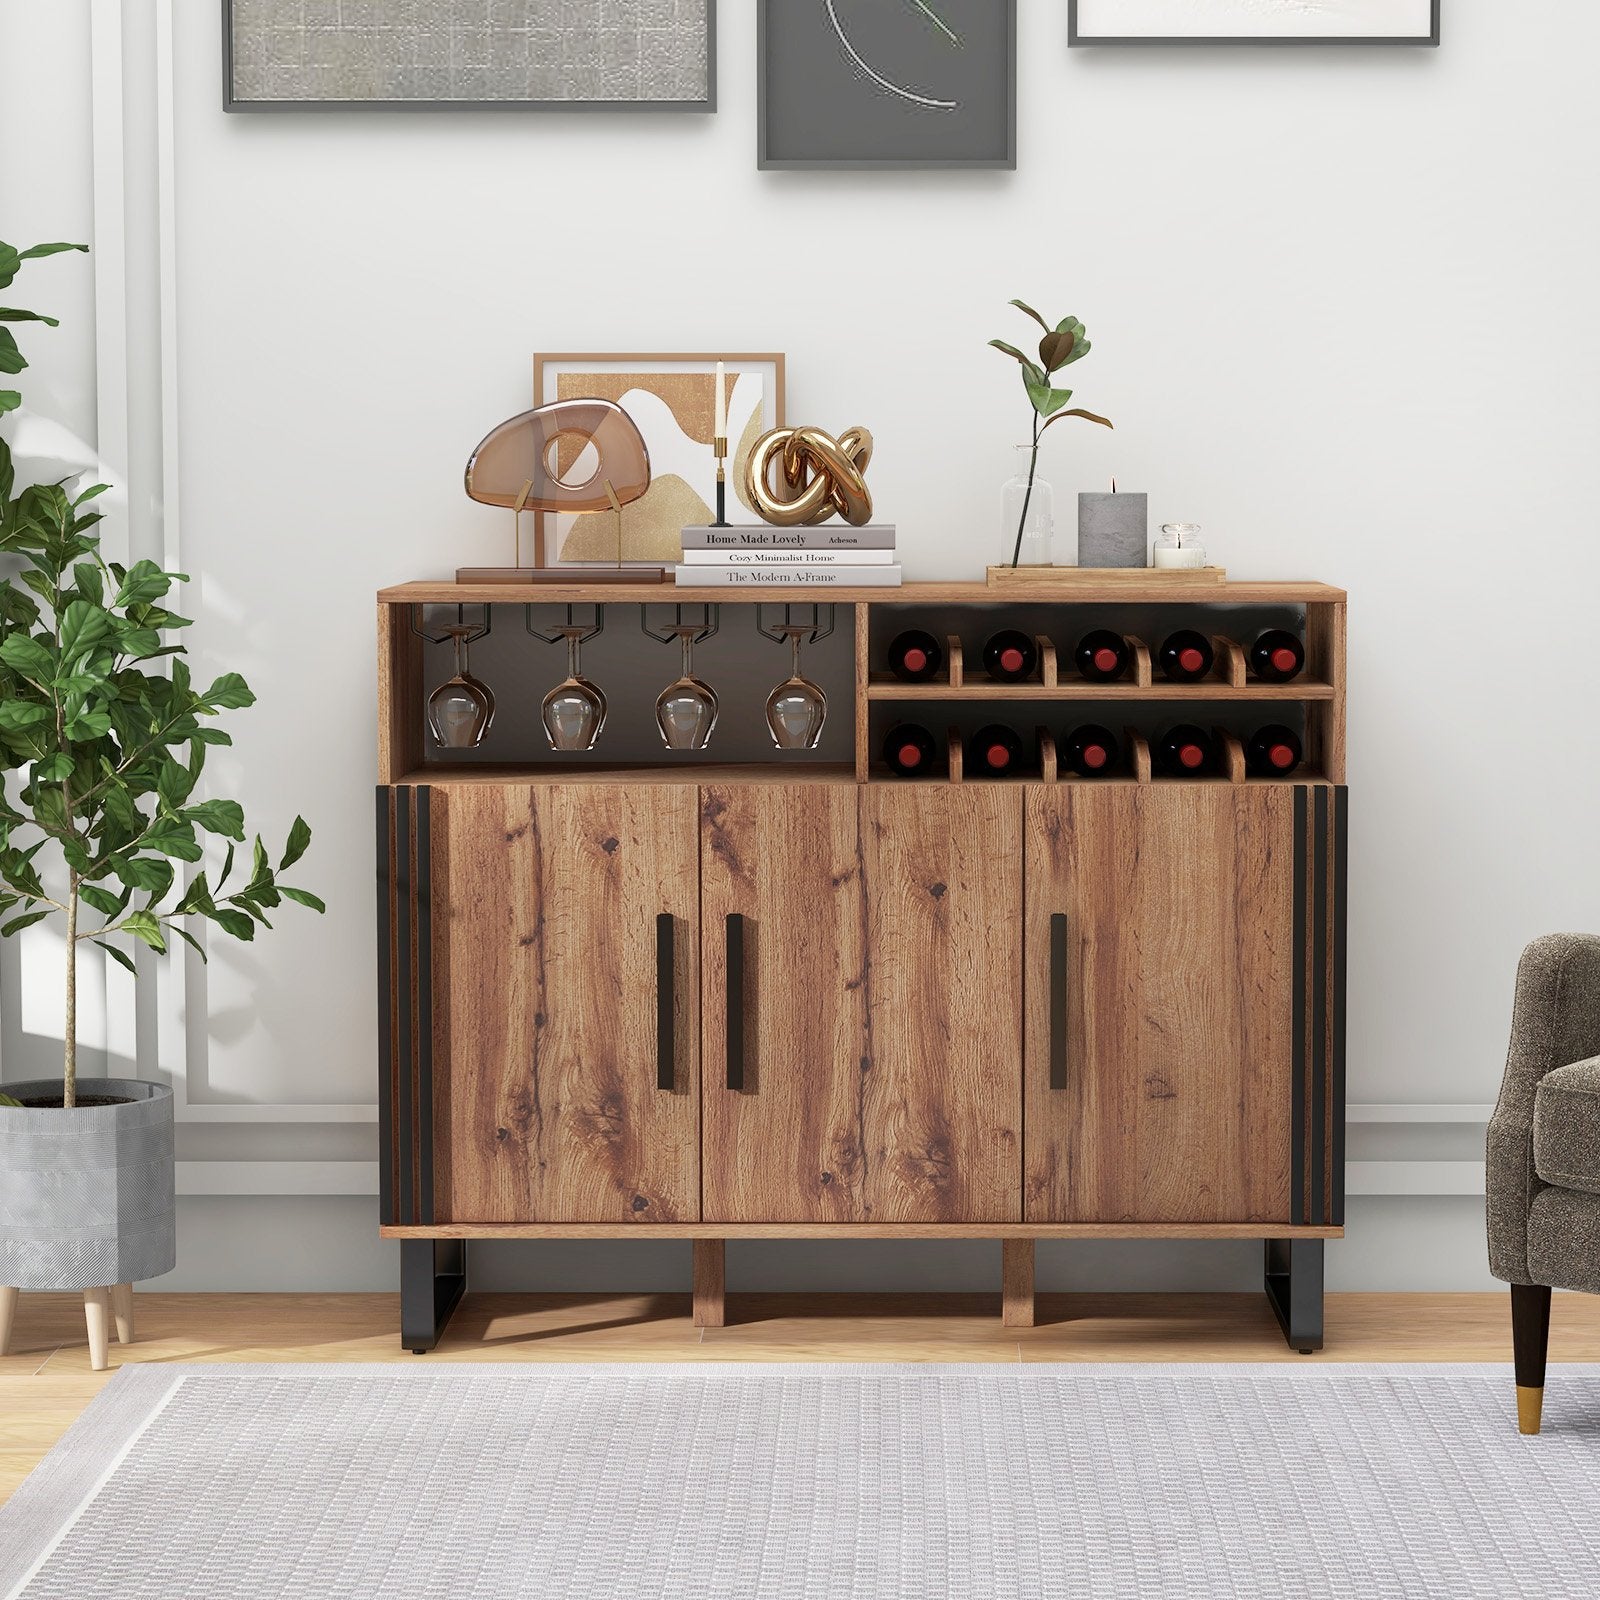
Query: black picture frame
(1076, 39)
(231, 102)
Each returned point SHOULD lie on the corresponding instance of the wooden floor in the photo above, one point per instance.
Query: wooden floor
(45, 1381)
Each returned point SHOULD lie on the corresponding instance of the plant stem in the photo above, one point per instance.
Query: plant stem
(1027, 499)
(69, 1081)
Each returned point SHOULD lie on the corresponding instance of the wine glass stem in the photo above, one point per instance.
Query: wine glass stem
(460, 642)
(794, 640)
(688, 655)
(572, 656)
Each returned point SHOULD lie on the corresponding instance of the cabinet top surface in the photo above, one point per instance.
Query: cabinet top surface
(1166, 591)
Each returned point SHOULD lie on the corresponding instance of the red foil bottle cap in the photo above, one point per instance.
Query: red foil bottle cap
(910, 755)
(1281, 755)
(1284, 659)
(915, 659)
(1191, 659)
(1011, 659)
(1105, 659)
(1095, 755)
(998, 757)
(1191, 755)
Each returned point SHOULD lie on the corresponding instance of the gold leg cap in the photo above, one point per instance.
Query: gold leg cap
(1530, 1409)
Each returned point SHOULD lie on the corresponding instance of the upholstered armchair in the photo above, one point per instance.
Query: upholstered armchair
(1544, 1150)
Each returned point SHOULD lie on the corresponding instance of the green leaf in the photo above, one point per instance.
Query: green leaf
(34, 252)
(90, 583)
(29, 657)
(301, 897)
(230, 692)
(1088, 416)
(1047, 401)
(172, 837)
(190, 940)
(16, 713)
(53, 768)
(234, 922)
(196, 898)
(299, 838)
(140, 643)
(16, 314)
(1010, 350)
(9, 400)
(10, 260)
(145, 581)
(218, 816)
(106, 903)
(121, 957)
(143, 925)
(11, 358)
(1022, 305)
(17, 924)
(88, 725)
(138, 872)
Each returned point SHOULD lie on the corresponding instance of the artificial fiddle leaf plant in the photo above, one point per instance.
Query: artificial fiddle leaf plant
(99, 754)
(1060, 347)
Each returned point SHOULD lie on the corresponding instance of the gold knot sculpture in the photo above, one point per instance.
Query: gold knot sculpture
(817, 476)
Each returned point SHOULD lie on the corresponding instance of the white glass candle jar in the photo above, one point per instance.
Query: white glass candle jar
(1178, 546)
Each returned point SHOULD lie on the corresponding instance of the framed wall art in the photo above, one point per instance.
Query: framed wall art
(672, 400)
(887, 83)
(469, 55)
(1112, 22)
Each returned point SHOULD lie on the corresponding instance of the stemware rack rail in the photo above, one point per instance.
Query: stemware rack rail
(968, 611)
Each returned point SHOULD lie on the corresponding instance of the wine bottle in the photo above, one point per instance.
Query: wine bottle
(1103, 656)
(915, 656)
(995, 752)
(1277, 656)
(1186, 751)
(1186, 656)
(1273, 751)
(909, 751)
(1010, 657)
(1090, 750)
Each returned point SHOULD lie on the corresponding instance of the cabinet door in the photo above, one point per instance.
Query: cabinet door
(865, 1063)
(570, 1007)
(1161, 1002)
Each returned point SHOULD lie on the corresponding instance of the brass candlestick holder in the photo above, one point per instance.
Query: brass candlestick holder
(719, 448)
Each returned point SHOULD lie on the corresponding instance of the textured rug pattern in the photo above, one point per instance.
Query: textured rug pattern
(692, 1482)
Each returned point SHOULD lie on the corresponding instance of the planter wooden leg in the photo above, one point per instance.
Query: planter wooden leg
(710, 1283)
(122, 1310)
(96, 1302)
(8, 1310)
(1016, 1283)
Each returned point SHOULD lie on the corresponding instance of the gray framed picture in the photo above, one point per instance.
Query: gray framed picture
(1099, 22)
(469, 55)
(887, 83)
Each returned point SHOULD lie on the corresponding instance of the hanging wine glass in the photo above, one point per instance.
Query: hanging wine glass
(574, 712)
(686, 710)
(461, 709)
(797, 709)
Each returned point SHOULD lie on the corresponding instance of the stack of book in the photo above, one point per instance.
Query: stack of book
(830, 555)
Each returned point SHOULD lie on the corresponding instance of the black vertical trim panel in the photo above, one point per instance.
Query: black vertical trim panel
(1297, 1057)
(405, 1169)
(734, 931)
(666, 1005)
(1341, 876)
(1058, 1000)
(424, 886)
(385, 1013)
(1319, 1010)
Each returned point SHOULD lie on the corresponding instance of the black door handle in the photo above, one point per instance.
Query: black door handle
(735, 1020)
(1058, 1000)
(666, 1008)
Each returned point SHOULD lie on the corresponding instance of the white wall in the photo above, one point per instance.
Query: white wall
(1341, 308)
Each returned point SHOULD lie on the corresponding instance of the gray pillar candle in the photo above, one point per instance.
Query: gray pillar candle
(1113, 530)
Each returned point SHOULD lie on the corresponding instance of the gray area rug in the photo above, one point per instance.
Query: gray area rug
(781, 1482)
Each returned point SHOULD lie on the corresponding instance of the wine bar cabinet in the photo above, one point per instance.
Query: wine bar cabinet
(827, 915)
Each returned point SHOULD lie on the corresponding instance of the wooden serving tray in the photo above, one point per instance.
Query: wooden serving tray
(1133, 579)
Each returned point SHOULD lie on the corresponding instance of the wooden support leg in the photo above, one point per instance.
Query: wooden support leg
(1530, 1343)
(8, 1310)
(1016, 1283)
(122, 1310)
(710, 1283)
(96, 1303)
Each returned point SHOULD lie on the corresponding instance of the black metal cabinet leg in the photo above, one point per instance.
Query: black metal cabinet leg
(1530, 1343)
(1294, 1290)
(433, 1275)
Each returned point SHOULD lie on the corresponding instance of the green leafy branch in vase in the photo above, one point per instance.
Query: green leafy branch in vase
(1060, 347)
(99, 757)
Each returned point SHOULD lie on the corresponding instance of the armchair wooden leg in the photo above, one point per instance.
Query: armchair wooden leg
(8, 1310)
(1530, 1342)
(95, 1304)
(122, 1310)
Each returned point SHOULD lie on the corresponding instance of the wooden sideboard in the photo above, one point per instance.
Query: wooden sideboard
(795, 998)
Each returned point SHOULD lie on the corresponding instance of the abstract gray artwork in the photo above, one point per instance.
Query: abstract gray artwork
(646, 55)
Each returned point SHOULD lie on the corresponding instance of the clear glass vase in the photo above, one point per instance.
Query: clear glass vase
(1027, 502)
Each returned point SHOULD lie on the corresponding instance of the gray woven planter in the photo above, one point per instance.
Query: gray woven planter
(86, 1195)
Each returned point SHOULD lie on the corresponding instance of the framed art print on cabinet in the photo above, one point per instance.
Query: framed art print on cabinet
(887, 83)
(1111, 22)
(468, 55)
(672, 400)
